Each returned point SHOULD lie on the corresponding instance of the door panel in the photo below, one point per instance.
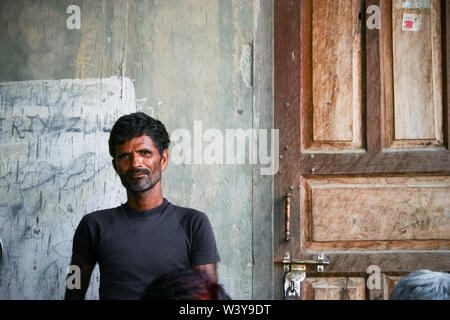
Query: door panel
(334, 288)
(363, 143)
(332, 72)
(336, 62)
(413, 76)
(379, 213)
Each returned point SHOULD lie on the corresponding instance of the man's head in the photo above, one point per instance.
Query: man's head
(190, 284)
(422, 285)
(135, 125)
(138, 144)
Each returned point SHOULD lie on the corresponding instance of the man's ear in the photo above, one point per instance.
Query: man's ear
(164, 159)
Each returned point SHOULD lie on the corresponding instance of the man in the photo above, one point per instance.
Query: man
(422, 285)
(147, 236)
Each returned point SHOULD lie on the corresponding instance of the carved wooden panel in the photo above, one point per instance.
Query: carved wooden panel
(331, 91)
(333, 288)
(376, 212)
(413, 70)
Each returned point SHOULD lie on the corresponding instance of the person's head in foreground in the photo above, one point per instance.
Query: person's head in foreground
(189, 284)
(423, 285)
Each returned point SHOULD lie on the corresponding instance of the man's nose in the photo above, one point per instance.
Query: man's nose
(136, 160)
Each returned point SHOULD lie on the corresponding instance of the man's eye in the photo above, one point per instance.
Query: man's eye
(123, 156)
(145, 152)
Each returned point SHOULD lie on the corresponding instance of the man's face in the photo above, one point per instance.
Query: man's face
(139, 164)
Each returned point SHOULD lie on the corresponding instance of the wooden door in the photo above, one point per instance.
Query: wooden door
(364, 142)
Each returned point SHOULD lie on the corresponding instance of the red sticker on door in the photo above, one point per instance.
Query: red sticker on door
(411, 22)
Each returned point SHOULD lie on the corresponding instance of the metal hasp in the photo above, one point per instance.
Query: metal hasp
(296, 272)
(293, 282)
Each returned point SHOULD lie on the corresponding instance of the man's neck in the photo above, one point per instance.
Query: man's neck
(147, 200)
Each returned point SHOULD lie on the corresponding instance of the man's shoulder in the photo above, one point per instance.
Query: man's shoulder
(186, 212)
(189, 217)
(103, 214)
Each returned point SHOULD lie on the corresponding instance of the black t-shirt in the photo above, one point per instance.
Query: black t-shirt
(134, 247)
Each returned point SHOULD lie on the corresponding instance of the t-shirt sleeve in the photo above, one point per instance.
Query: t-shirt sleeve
(203, 247)
(85, 240)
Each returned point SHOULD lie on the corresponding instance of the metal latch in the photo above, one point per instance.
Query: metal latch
(288, 263)
(296, 272)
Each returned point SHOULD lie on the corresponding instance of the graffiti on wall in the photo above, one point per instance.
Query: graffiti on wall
(54, 168)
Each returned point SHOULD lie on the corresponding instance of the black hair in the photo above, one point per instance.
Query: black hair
(189, 284)
(135, 125)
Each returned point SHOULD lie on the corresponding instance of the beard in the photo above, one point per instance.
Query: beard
(140, 184)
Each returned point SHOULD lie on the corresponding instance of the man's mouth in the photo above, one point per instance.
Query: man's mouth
(138, 174)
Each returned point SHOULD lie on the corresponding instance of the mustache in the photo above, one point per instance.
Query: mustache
(131, 171)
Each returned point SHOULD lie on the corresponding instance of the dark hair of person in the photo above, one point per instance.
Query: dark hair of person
(422, 285)
(135, 125)
(190, 284)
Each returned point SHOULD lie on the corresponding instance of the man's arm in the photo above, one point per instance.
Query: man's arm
(210, 269)
(85, 277)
